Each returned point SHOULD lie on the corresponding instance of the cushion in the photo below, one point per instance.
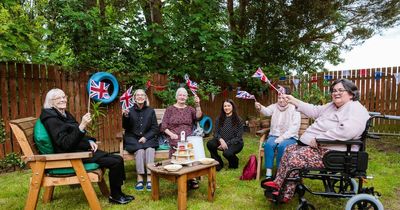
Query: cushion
(65, 171)
(42, 139)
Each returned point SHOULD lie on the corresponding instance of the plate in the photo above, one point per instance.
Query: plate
(173, 167)
(206, 161)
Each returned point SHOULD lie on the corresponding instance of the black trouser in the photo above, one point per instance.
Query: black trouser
(116, 175)
(229, 154)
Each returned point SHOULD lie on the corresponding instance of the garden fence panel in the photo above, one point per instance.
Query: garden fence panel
(23, 88)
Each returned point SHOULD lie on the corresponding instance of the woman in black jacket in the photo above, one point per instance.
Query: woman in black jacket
(67, 135)
(141, 131)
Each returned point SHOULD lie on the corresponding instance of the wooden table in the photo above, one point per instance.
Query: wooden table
(181, 177)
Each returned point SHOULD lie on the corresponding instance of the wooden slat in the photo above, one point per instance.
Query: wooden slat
(21, 93)
(37, 94)
(4, 104)
(29, 92)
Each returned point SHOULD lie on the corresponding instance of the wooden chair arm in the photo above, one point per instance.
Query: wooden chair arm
(262, 139)
(262, 131)
(60, 156)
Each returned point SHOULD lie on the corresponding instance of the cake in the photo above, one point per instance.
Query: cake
(184, 153)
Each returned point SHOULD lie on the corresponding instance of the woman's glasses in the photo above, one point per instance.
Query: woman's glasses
(60, 97)
(340, 91)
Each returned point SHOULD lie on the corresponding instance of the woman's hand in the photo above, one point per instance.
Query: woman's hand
(86, 119)
(93, 145)
(291, 99)
(197, 100)
(258, 106)
(173, 136)
(142, 140)
(125, 112)
(223, 145)
(279, 140)
(313, 143)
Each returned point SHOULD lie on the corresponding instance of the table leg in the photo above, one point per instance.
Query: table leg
(211, 183)
(182, 192)
(155, 186)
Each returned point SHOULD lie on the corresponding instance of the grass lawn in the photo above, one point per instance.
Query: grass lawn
(231, 193)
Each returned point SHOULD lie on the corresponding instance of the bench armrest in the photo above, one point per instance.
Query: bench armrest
(59, 156)
(262, 131)
(347, 142)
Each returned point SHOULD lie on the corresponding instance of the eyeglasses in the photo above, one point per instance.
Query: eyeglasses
(60, 97)
(340, 91)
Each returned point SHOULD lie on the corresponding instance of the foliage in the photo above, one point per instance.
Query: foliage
(313, 94)
(206, 88)
(207, 39)
(11, 160)
(97, 111)
(2, 131)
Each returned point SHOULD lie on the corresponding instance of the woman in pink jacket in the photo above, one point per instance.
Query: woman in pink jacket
(342, 119)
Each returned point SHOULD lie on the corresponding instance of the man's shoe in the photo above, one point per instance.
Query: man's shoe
(128, 197)
(120, 200)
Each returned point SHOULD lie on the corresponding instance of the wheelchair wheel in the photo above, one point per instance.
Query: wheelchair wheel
(306, 206)
(351, 185)
(364, 201)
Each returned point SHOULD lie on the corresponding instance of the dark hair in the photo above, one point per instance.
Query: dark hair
(222, 115)
(350, 87)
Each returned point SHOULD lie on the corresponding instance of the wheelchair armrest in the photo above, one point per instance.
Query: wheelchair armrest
(347, 142)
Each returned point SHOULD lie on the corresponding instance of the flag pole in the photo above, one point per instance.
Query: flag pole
(273, 87)
(88, 107)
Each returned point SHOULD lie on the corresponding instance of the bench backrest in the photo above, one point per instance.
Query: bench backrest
(159, 114)
(23, 131)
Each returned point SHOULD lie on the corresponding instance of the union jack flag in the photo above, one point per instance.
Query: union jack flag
(260, 74)
(244, 95)
(192, 86)
(127, 99)
(99, 90)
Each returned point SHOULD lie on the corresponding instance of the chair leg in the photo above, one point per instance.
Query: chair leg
(104, 188)
(48, 194)
(259, 160)
(35, 184)
(86, 184)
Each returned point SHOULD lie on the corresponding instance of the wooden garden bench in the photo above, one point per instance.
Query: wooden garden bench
(23, 131)
(160, 154)
(305, 122)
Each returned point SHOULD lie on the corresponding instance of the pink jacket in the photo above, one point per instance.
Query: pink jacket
(332, 123)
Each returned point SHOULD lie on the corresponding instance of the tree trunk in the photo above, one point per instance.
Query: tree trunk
(232, 25)
(152, 11)
(243, 17)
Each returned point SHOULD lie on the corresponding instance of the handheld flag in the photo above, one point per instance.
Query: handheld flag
(192, 85)
(99, 90)
(244, 95)
(260, 74)
(127, 99)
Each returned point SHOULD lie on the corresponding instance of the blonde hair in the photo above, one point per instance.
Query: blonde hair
(147, 98)
(48, 101)
(180, 90)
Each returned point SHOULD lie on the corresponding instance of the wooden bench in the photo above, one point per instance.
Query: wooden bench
(23, 131)
(160, 154)
(305, 122)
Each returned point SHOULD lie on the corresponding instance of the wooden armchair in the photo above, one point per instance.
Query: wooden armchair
(264, 134)
(23, 131)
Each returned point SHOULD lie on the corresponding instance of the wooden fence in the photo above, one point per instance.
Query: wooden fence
(23, 88)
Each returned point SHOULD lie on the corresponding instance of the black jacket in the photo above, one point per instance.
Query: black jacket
(140, 123)
(65, 134)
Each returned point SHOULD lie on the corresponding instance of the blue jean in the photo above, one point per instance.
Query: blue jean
(269, 150)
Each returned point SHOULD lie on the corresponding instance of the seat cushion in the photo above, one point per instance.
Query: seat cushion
(42, 139)
(66, 171)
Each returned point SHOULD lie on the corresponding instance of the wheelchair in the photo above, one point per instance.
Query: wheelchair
(342, 177)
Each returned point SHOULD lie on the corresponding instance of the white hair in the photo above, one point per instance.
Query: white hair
(180, 90)
(141, 90)
(53, 93)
